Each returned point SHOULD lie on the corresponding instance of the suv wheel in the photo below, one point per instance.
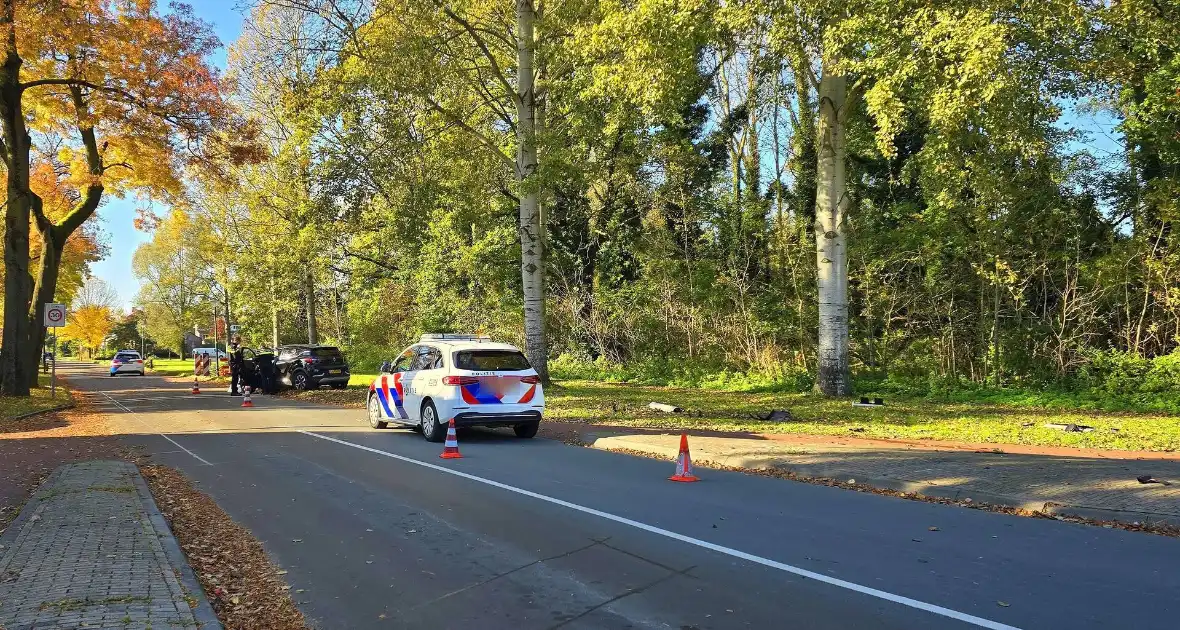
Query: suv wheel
(375, 420)
(432, 429)
(527, 430)
(299, 381)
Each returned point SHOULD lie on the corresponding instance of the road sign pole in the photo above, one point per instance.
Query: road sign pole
(55, 316)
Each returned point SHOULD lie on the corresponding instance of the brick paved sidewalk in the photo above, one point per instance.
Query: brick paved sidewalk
(90, 550)
(1093, 487)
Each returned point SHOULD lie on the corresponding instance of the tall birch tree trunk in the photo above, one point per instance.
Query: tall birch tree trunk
(532, 243)
(831, 243)
(274, 314)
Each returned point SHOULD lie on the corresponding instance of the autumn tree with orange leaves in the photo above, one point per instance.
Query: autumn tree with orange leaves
(89, 325)
(129, 90)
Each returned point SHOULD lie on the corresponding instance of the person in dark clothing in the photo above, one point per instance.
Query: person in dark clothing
(236, 359)
(264, 363)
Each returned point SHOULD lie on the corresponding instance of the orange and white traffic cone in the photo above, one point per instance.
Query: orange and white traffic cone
(684, 463)
(196, 387)
(246, 402)
(451, 447)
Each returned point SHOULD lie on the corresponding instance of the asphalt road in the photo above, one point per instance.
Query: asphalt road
(379, 533)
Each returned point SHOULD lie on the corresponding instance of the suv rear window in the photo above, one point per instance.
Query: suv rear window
(325, 353)
(491, 360)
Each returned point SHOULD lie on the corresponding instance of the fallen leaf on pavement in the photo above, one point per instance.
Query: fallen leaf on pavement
(933, 529)
(1004, 604)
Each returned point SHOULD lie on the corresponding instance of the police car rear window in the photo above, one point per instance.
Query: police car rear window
(126, 356)
(491, 360)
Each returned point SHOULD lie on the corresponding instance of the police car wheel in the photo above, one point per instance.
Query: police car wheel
(375, 420)
(526, 430)
(431, 429)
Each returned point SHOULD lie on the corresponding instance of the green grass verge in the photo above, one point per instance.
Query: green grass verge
(901, 418)
(38, 399)
(172, 367)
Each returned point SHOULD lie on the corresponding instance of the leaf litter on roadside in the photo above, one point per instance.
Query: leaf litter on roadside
(242, 584)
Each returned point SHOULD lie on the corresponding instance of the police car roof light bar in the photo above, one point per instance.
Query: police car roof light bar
(453, 336)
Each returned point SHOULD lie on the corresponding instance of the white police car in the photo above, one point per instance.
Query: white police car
(126, 362)
(468, 378)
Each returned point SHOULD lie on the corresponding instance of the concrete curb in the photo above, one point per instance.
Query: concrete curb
(621, 443)
(203, 611)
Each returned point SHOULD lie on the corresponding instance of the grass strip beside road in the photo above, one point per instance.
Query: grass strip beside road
(901, 418)
(172, 367)
(37, 400)
(912, 419)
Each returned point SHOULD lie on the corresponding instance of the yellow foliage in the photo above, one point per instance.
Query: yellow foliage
(89, 326)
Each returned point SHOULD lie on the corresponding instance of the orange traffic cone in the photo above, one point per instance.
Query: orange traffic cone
(451, 447)
(196, 387)
(246, 402)
(684, 463)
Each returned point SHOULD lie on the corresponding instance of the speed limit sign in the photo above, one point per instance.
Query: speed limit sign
(55, 315)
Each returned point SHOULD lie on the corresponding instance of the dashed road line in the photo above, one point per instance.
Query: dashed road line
(139, 420)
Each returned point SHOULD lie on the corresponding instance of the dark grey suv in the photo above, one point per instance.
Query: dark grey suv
(311, 367)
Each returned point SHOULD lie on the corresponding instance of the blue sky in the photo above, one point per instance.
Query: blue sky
(117, 215)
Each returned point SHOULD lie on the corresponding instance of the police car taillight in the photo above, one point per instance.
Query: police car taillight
(459, 380)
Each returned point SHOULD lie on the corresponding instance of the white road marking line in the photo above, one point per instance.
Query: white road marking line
(852, 586)
(174, 442)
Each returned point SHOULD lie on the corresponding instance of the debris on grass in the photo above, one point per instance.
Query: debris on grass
(1069, 428)
(664, 407)
(774, 415)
